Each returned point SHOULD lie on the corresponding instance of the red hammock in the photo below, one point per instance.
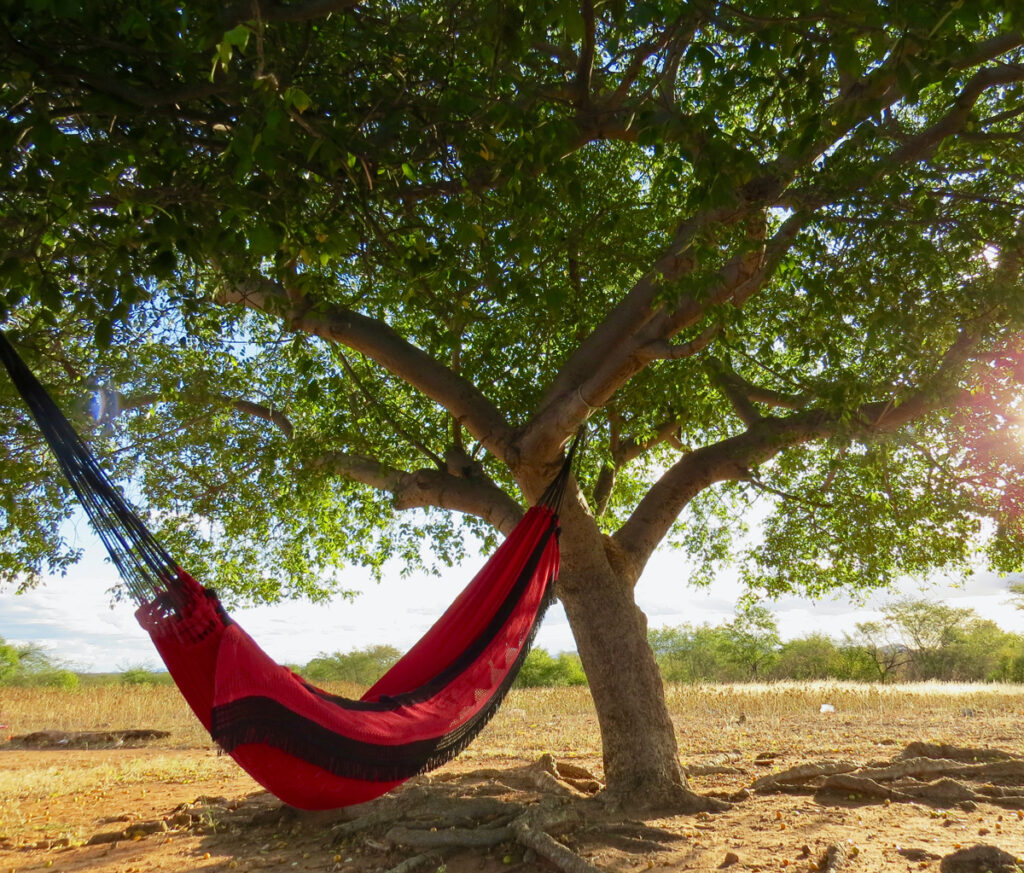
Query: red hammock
(310, 748)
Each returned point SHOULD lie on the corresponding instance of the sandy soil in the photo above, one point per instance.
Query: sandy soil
(162, 809)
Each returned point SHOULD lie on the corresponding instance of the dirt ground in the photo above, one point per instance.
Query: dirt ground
(135, 810)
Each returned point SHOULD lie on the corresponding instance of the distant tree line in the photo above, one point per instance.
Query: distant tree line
(365, 666)
(914, 640)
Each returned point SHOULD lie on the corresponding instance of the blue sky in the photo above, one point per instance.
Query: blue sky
(73, 617)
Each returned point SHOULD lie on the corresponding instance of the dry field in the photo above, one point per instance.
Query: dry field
(176, 804)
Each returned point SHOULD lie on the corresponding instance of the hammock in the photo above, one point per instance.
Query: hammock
(312, 749)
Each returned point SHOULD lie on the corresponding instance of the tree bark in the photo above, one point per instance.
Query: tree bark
(641, 760)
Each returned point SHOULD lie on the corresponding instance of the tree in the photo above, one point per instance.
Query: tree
(1017, 594)
(542, 669)
(305, 255)
(815, 656)
(886, 653)
(10, 658)
(927, 631)
(31, 664)
(981, 651)
(690, 653)
(754, 640)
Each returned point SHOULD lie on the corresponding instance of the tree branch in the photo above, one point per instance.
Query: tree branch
(585, 69)
(637, 332)
(113, 86)
(739, 391)
(114, 404)
(609, 346)
(733, 389)
(624, 451)
(733, 457)
(379, 342)
(881, 89)
(919, 146)
(373, 401)
(664, 350)
(924, 143)
(477, 496)
(610, 356)
(267, 413)
(630, 450)
(636, 64)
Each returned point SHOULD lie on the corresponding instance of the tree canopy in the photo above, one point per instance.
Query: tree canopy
(304, 254)
(694, 223)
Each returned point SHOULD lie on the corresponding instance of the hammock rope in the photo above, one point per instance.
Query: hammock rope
(144, 565)
(313, 749)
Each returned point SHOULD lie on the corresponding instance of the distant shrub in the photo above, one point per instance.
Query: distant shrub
(31, 666)
(361, 666)
(143, 676)
(815, 656)
(54, 677)
(542, 669)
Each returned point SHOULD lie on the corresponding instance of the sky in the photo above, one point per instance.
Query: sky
(74, 618)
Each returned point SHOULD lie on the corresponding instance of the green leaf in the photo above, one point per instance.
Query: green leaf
(237, 37)
(297, 98)
(263, 240)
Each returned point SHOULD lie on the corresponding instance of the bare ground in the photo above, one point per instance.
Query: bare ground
(871, 800)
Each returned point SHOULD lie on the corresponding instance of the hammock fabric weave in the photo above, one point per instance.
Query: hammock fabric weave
(312, 749)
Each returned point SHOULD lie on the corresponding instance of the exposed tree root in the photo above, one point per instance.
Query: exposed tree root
(548, 847)
(415, 862)
(862, 785)
(535, 811)
(530, 829)
(934, 773)
(534, 807)
(635, 838)
(678, 800)
(954, 753)
(802, 774)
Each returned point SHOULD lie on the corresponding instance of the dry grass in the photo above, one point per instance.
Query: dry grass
(112, 707)
(562, 720)
(782, 699)
(102, 773)
(713, 718)
(105, 707)
(50, 799)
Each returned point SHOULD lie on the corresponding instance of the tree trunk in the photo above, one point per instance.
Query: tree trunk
(641, 761)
